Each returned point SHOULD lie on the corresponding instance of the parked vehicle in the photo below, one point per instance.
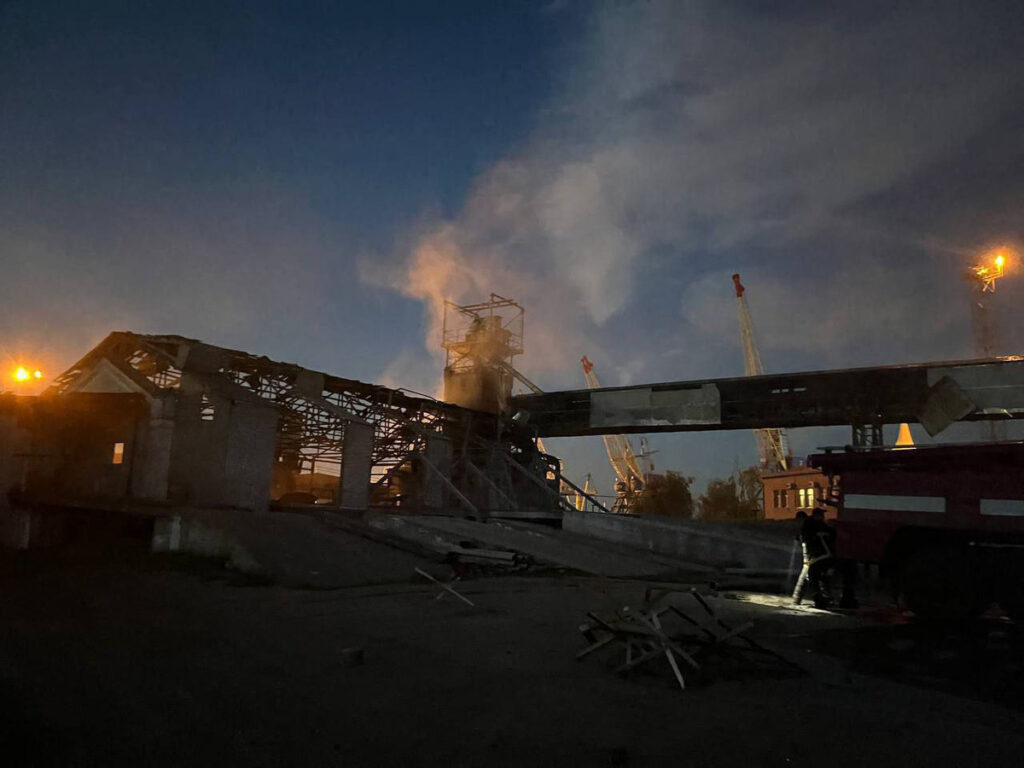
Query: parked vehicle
(944, 523)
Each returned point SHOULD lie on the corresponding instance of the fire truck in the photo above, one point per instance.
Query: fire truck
(944, 523)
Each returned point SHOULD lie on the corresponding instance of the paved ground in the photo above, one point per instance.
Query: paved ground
(302, 551)
(116, 659)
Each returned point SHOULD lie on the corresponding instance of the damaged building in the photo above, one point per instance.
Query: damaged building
(165, 419)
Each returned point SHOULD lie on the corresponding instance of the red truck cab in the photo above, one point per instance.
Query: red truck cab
(945, 523)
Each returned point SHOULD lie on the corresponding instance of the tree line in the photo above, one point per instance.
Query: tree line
(735, 498)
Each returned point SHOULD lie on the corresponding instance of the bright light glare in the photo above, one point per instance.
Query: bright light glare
(1000, 260)
(37, 375)
(21, 374)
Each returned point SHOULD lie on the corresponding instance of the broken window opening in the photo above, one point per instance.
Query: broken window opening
(206, 409)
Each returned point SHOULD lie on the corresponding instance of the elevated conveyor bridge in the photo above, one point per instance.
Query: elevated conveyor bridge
(933, 394)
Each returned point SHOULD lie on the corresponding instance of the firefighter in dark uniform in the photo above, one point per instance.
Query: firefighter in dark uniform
(817, 540)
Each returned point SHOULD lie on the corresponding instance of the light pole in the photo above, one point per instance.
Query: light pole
(982, 278)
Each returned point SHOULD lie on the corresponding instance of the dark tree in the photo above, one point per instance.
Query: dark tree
(729, 500)
(750, 489)
(666, 495)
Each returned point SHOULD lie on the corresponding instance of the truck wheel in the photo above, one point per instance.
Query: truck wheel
(937, 584)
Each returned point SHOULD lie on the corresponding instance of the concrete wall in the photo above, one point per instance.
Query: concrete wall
(152, 459)
(85, 450)
(249, 456)
(723, 545)
(63, 448)
(197, 452)
(189, 534)
(224, 461)
(9, 471)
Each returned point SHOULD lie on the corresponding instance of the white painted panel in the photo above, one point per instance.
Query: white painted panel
(1003, 507)
(644, 407)
(104, 377)
(894, 503)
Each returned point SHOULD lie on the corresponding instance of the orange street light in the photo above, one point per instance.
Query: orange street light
(23, 375)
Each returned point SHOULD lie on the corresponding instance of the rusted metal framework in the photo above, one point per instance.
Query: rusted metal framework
(315, 407)
(481, 342)
(491, 331)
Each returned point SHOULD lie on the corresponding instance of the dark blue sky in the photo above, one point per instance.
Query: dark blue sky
(146, 143)
(307, 180)
(368, 109)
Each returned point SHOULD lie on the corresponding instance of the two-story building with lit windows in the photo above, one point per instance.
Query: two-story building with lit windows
(793, 490)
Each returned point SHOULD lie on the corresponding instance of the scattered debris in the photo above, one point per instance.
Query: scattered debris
(646, 639)
(446, 587)
(469, 553)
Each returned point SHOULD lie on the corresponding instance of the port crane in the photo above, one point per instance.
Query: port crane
(631, 478)
(772, 445)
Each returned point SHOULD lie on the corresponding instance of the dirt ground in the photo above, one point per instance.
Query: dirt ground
(108, 658)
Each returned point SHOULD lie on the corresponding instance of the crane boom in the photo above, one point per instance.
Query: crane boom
(620, 450)
(772, 445)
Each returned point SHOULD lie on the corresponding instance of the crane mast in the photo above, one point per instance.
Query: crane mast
(631, 477)
(772, 446)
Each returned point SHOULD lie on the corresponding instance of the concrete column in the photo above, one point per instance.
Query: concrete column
(356, 463)
(438, 453)
(152, 461)
(249, 456)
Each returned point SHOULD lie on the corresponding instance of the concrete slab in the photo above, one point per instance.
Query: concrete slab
(764, 548)
(544, 544)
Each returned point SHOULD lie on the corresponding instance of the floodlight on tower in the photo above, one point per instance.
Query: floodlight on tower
(987, 273)
(982, 278)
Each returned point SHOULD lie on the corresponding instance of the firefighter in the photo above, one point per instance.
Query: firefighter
(817, 542)
(800, 518)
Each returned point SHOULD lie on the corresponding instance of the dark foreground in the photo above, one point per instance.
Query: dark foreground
(119, 659)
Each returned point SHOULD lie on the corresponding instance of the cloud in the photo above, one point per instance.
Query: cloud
(702, 130)
(863, 313)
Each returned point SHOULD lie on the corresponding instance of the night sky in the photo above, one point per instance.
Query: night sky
(307, 180)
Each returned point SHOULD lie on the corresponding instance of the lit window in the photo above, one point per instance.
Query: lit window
(118, 457)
